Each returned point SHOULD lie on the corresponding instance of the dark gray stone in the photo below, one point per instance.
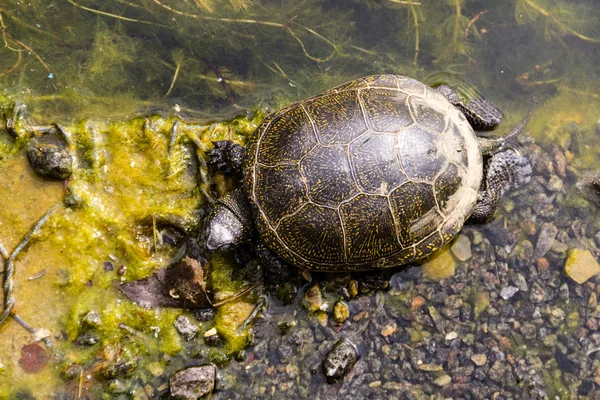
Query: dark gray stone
(340, 360)
(185, 327)
(192, 383)
(49, 158)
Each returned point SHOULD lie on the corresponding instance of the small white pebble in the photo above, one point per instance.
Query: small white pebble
(451, 335)
(508, 292)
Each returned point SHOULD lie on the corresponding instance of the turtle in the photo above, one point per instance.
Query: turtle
(375, 173)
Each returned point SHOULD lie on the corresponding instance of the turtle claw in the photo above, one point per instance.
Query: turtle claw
(226, 156)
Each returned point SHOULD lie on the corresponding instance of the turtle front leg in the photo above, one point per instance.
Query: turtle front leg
(226, 156)
(504, 170)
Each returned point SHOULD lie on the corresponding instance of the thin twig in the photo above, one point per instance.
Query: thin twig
(3, 253)
(118, 16)
(471, 22)
(154, 230)
(234, 297)
(289, 30)
(9, 266)
(416, 26)
(567, 28)
(15, 66)
(33, 28)
(29, 49)
(174, 79)
(221, 80)
(407, 3)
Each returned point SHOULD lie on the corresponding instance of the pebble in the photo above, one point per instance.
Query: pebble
(520, 282)
(440, 266)
(545, 239)
(416, 303)
(451, 335)
(192, 383)
(443, 380)
(537, 294)
(338, 362)
(389, 329)
(340, 312)
(479, 359)
(462, 248)
(508, 292)
(431, 367)
(555, 184)
(581, 265)
(559, 247)
(185, 327)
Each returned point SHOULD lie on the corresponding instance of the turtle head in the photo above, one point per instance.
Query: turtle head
(229, 224)
(481, 114)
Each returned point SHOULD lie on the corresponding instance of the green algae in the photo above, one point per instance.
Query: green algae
(129, 177)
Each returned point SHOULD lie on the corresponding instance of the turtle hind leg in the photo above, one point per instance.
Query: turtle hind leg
(226, 156)
(504, 170)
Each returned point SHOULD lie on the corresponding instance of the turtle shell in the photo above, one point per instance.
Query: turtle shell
(375, 173)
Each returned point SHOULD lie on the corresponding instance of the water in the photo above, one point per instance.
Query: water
(508, 321)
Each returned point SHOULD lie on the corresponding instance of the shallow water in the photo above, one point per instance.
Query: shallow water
(505, 322)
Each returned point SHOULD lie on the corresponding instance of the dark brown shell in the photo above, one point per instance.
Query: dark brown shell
(377, 172)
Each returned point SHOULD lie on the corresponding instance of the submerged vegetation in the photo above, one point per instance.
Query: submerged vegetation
(78, 57)
(141, 88)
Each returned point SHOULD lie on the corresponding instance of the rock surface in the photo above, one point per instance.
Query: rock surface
(339, 360)
(581, 265)
(193, 383)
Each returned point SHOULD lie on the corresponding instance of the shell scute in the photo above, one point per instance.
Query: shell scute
(337, 118)
(315, 233)
(426, 115)
(375, 163)
(295, 138)
(386, 109)
(369, 235)
(416, 212)
(284, 180)
(328, 175)
(419, 154)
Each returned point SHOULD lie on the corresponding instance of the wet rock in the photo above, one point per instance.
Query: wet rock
(340, 312)
(50, 158)
(590, 186)
(461, 248)
(559, 247)
(508, 292)
(555, 184)
(443, 380)
(91, 320)
(313, 298)
(212, 338)
(185, 327)
(481, 302)
(286, 293)
(479, 359)
(440, 266)
(545, 239)
(563, 291)
(520, 282)
(87, 339)
(118, 368)
(581, 265)
(537, 294)
(340, 360)
(205, 314)
(192, 383)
